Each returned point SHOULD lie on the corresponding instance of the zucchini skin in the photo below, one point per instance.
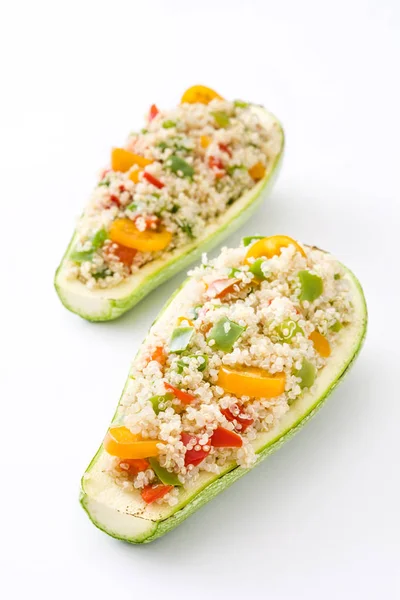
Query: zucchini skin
(161, 527)
(109, 308)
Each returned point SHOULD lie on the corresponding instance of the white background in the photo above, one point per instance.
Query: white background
(319, 519)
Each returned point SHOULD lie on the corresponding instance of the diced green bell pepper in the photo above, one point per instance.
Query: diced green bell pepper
(230, 170)
(306, 373)
(233, 272)
(180, 339)
(169, 124)
(201, 366)
(177, 165)
(240, 103)
(81, 257)
(311, 286)
(99, 238)
(163, 474)
(251, 238)
(287, 330)
(158, 402)
(255, 268)
(221, 118)
(225, 333)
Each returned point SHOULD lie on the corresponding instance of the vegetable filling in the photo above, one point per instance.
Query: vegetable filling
(170, 180)
(211, 380)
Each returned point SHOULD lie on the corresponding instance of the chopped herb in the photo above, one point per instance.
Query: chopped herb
(186, 228)
(336, 276)
(175, 208)
(178, 165)
(102, 274)
(169, 124)
(144, 130)
(156, 195)
(230, 201)
(162, 145)
(105, 182)
(132, 206)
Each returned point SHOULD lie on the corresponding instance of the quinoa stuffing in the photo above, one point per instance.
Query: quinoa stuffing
(264, 322)
(169, 181)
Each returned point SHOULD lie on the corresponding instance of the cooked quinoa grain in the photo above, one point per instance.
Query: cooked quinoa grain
(204, 387)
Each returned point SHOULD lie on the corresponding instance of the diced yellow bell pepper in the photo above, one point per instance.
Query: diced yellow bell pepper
(200, 94)
(125, 232)
(119, 441)
(321, 344)
(251, 381)
(205, 141)
(270, 246)
(257, 171)
(122, 160)
(134, 175)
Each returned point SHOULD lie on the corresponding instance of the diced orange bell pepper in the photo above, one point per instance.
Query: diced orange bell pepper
(119, 441)
(133, 466)
(151, 493)
(251, 381)
(134, 175)
(200, 94)
(122, 160)
(270, 246)
(225, 438)
(125, 232)
(257, 171)
(159, 355)
(321, 344)
(205, 141)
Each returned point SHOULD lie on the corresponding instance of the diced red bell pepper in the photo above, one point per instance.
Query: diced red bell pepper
(217, 166)
(153, 112)
(225, 148)
(221, 287)
(133, 466)
(125, 254)
(150, 493)
(184, 397)
(121, 188)
(115, 200)
(151, 221)
(153, 180)
(236, 413)
(225, 438)
(193, 457)
(104, 173)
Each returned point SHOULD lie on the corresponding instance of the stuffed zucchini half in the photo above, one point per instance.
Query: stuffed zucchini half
(179, 186)
(240, 358)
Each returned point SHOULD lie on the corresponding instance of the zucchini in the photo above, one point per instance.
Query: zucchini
(123, 514)
(110, 303)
